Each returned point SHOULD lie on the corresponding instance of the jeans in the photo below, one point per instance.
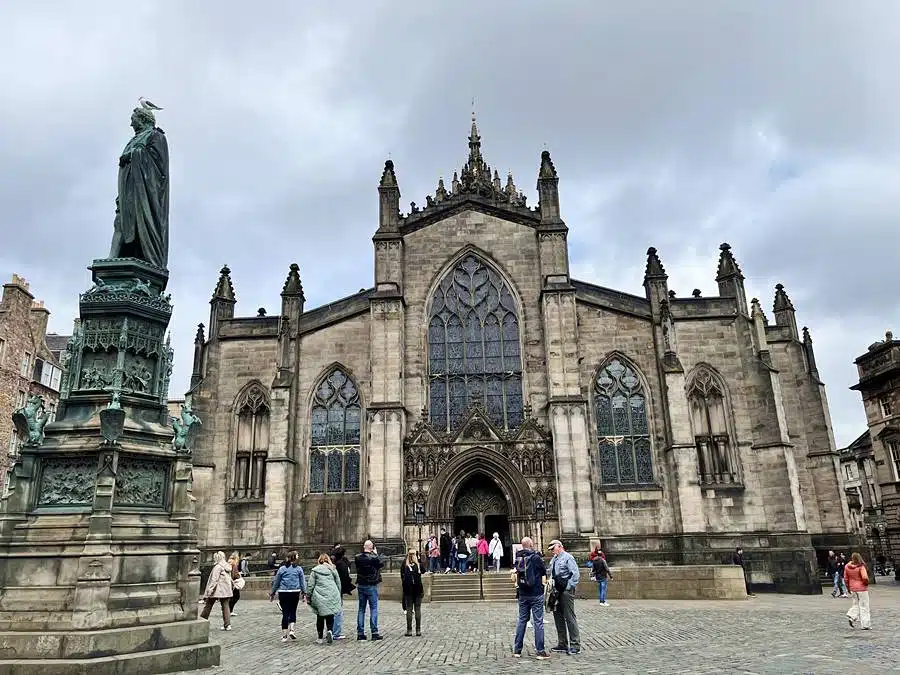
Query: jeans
(368, 595)
(462, 563)
(567, 635)
(532, 605)
(339, 620)
(840, 588)
(601, 590)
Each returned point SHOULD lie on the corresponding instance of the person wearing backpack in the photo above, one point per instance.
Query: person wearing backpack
(530, 575)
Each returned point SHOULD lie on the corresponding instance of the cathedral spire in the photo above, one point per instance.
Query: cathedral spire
(730, 279)
(292, 297)
(224, 289)
(388, 200)
(654, 269)
(548, 191)
(222, 304)
(784, 311)
(474, 143)
(197, 372)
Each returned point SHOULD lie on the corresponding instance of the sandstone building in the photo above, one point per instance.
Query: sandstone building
(478, 386)
(28, 365)
(879, 385)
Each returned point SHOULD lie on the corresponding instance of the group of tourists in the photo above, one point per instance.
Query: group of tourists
(463, 553)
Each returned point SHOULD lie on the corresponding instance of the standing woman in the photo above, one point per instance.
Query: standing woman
(219, 589)
(482, 547)
(289, 584)
(236, 584)
(411, 578)
(496, 551)
(434, 556)
(857, 581)
(325, 597)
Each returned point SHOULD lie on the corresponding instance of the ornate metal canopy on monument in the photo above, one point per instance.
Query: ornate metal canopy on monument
(477, 186)
(437, 462)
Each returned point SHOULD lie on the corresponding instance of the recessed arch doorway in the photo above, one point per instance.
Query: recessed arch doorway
(480, 506)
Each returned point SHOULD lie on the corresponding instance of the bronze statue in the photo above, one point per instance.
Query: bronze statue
(141, 228)
(31, 420)
(186, 430)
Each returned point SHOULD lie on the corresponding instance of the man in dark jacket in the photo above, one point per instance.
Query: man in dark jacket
(368, 576)
(339, 558)
(446, 545)
(738, 559)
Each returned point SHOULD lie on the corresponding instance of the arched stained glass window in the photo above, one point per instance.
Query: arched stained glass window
(252, 444)
(334, 444)
(474, 355)
(622, 429)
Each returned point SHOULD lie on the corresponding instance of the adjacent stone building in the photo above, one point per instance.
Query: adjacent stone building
(879, 385)
(478, 386)
(28, 365)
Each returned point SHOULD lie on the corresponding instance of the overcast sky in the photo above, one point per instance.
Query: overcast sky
(771, 125)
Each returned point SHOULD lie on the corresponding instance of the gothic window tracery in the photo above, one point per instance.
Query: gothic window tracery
(709, 420)
(474, 354)
(623, 431)
(252, 444)
(334, 456)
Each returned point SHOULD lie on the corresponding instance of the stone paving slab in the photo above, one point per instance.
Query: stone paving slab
(765, 634)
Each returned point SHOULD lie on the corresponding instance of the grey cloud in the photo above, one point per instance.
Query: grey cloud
(771, 125)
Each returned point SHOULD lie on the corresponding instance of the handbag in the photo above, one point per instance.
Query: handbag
(239, 583)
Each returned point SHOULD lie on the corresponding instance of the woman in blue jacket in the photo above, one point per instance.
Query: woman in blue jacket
(290, 585)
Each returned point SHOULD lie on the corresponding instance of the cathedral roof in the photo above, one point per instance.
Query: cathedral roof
(475, 184)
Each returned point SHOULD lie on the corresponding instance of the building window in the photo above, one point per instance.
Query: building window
(849, 472)
(25, 368)
(13, 444)
(894, 452)
(334, 456)
(622, 429)
(709, 421)
(2, 351)
(886, 405)
(252, 443)
(47, 374)
(474, 355)
(21, 397)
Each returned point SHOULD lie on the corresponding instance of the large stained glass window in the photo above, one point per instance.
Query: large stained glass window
(474, 356)
(334, 446)
(249, 477)
(622, 429)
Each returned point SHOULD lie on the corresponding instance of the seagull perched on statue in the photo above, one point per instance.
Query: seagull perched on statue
(148, 105)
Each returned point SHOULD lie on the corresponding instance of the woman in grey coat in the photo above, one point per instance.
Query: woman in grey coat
(324, 596)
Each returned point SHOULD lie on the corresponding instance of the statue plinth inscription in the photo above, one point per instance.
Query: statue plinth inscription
(112, 474)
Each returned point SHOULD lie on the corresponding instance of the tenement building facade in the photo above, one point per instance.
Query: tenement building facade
(879, 384)
(28, 365)
(477, 386)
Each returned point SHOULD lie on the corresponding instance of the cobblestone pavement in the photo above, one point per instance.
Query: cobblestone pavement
(765, 634)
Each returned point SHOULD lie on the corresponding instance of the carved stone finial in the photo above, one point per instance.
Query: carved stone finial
(292, 285)
(888, 336)
(199, 338)
(728, 266)
(654, 269)
(261, 312)
(782, 301)
(224, 288)
(696, 293)
(807, 339)
(671, 295)
(388, 177)
(547, 169)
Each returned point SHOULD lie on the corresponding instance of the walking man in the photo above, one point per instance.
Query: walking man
(530, 575)
(564, 575)
(368, 576)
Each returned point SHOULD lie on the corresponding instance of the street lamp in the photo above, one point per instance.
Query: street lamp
(540, 512)
(420, 518)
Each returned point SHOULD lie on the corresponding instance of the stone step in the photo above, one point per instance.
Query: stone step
(25, 645)
(177, 659)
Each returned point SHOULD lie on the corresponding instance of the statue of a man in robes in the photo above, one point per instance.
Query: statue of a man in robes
(141, 228)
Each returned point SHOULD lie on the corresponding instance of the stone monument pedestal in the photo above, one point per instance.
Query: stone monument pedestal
(99, 566)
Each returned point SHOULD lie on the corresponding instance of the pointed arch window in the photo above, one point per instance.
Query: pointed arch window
(622, 427)
(716, 459)
(334, 456)
(474, 354)
(251, 444)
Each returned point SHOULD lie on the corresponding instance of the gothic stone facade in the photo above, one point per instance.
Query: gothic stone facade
(477, 386)
(879, 385)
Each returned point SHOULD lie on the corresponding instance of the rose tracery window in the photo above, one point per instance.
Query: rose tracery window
(252, 444)
(709, 420)
(334, 445)
(474, 356)
(622, 429)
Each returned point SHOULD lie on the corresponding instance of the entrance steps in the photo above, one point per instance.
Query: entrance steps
(466, 588)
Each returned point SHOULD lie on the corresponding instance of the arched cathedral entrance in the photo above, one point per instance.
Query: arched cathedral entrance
(481, 507)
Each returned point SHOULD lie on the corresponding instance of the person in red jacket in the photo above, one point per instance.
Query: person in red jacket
(857, 579)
